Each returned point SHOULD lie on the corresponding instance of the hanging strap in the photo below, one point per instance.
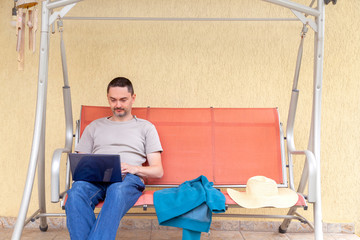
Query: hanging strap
(299, 57)
(63, 54)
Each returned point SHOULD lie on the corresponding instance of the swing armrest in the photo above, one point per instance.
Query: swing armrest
(311, 172)
(55, 174)
(56, 159)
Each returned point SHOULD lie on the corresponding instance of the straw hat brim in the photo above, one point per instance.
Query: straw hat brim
(284, 199)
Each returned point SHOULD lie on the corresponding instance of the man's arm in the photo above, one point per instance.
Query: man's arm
(154, 170)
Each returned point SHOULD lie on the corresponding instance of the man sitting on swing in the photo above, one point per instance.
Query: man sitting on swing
(135, 140)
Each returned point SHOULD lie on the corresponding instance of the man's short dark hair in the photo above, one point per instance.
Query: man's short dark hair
(121, 82)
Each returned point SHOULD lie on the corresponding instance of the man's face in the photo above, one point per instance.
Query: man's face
(121, 101)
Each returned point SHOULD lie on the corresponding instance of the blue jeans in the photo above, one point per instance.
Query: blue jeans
(84, 196)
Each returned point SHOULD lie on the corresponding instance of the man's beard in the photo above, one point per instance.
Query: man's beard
(119, 114)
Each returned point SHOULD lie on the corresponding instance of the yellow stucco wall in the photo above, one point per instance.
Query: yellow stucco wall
(189, 64)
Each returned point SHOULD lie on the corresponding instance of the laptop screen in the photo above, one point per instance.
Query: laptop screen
(95, 167)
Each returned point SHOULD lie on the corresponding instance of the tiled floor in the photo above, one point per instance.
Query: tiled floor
(57, 234)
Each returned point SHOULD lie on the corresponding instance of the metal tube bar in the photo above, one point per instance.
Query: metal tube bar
(68, 118)
(39, 117)
(290, 133)
(69, 125)
(283, 159)
(291, 120)
(55, 175)
(178, 19)
(61, 3)
(299, 58)
(41, 173)
(296, 6)
(314, 140)
(236, 215)
(63, 57)
(291, 171)
(67, 180)
(32, 217)
(51, 215)
(285, 224)
(261, 216)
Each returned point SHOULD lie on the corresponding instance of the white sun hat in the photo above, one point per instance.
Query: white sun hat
(263, 192)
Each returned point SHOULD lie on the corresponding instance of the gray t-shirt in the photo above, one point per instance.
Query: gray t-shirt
(132, 140)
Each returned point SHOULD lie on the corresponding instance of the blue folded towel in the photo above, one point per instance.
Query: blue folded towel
(189, 206)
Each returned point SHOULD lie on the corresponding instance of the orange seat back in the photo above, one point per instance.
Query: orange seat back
(227, 145)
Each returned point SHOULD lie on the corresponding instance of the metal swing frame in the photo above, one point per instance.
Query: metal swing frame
(37, 156)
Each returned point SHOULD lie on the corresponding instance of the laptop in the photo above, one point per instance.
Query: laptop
(95, 167)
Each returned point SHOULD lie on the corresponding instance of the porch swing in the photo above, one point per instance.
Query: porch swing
(311, 172)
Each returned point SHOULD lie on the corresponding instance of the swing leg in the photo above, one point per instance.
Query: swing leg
(39, 130)
(41, 180)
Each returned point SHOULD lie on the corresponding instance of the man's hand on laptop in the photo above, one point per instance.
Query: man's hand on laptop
(126, 168)
(154, 170)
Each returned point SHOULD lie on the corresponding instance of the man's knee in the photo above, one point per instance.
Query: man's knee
(117, 189)
(126, 191)
(78, 189)
(84, 192)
